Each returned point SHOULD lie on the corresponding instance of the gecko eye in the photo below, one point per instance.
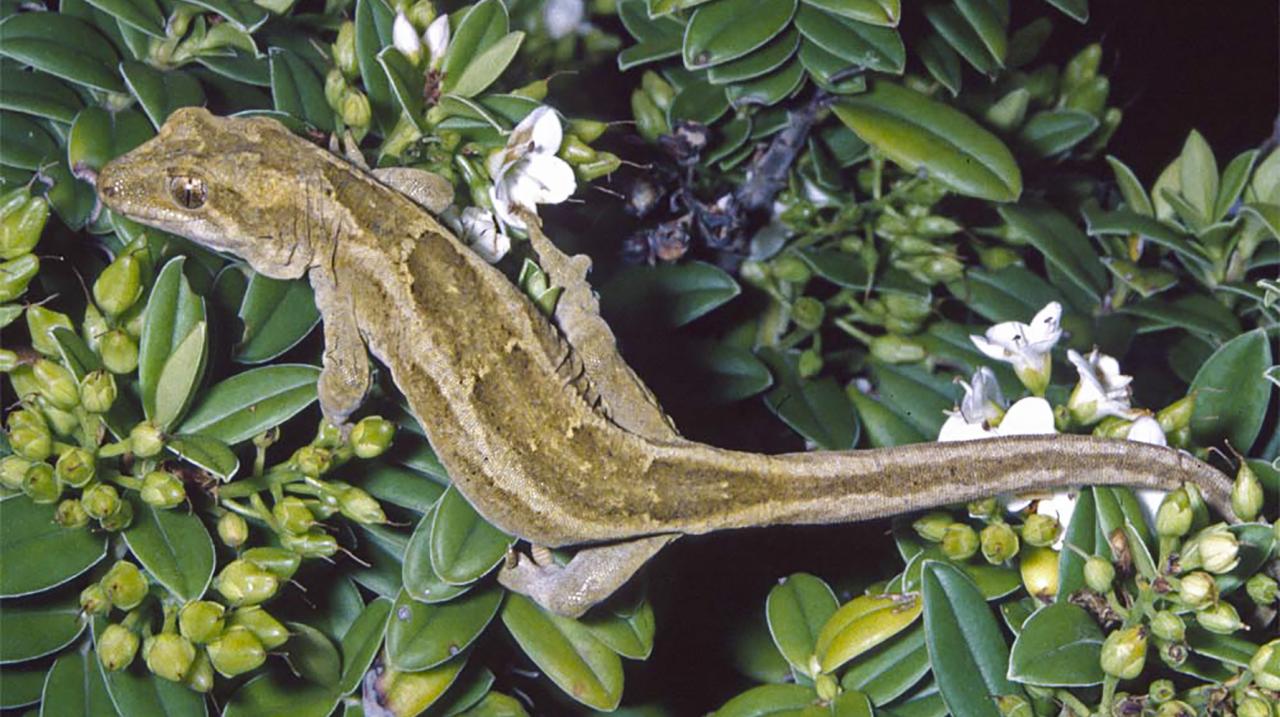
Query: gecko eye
(189, 192)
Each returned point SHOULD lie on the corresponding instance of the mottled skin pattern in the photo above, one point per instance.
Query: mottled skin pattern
(544, 430)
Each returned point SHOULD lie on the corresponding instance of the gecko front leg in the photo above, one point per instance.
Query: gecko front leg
(344, 374)
(593, 574)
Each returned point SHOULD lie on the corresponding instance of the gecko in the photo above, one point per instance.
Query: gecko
(539, 421)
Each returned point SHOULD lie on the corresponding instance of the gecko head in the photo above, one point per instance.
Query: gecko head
(235, 185)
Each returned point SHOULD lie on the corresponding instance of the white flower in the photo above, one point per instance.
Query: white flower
(527, 171)
(1031, 416)
(480, 230)
(437, 38)
(1103, 391)
(1025, 346)
(563, 17)
(405, 38)
(1146, 429)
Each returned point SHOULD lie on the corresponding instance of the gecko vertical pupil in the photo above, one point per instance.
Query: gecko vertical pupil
(188, 192)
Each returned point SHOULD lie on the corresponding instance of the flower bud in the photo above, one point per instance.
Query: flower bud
(170, 656)
(201, 621)
(40, 325)
(293, 515)
(146, 440)
(892, 348)
(361, 507)
(658, 89)
(791, 269)
(1215, 549)
(1176, 415)
(70, 514)
(1220, 618)
(98, 391)
(232, 530)
(41, 485)
(371, 436)
(344, 50)
(588, 129)
(280, 562)
(243, 583)
(116, 647)
(355, 109)
(1039, 568)
(120, 519)
(125, 585)
(16, 275)
(312, 460)
(1161, 691)
(236, 652)
(1246, 493)
(1175, 708)
(1175, 515)
(21, 225)
(1265, 666)
(93, 600)
(959, 542)
(809, 364)
(1124, 653)
(808, 313)
(932, 526)
(119, 286)
(1197, 589)
(269, 631)
(1041, 530)
(56, 384)
(29, 435)
(162, 489)
(200, 675)
(8, 360)
(13, 469)
(312, 544)
(405, 38)
(76, 467)
(1166, 625)
(100, 500)
(119, 351)
(1261, 589)
(62, 423)
(651, 121)
(1082, 67)
(1253, 707)
(999, 542)
(1099, 574)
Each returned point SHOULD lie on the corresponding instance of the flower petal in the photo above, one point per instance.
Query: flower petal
(1046, 328)
(1031, 416)
(1147, 430)
(547, 132)
(437, 37)
(405, 38)
(955, 428)
(540, 179)
(503, 207)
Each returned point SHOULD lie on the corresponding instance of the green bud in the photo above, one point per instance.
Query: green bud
(232, 530)
(12, 199)
(100, 500)
(116, 647)
(243, 583)
(658, 89)
(125, 584)
(355, 109)
(1175, 708)
(119, 286)
(1220, 618)
(932, 268)
(269, 631)
(1013, 706)
(1177, 415)
(200, 675)
(1197, 589)
(120, 519)
(312, 544)
(909, 307)
(1089, 96)
(76, 467)
(1265, 666)
(360, 507)
(201, 621)
(1041, 530)
(170, 656)
(1174, 517)
(162, 489)
(56, 384)
(1040, 571)
(536, 90)
(70, 514)
(651, 122)
(98, 391)
(932, 526)
(574, 151)
(808, 313)
(959, 541)
(312, 461)
(810, 363)
(29, 435)
(145, 440)
(588, 129)
(985, 509)
(41, 485)
(1099, 574)
(8, 360)
(335, 86)
(119, 351)
(1082, 67)
(344, 50)
(1246, 493)
(280, 562)
(236, 652)
(1215, 549)
(20, 229)
(62, 423)
(293, 515)
(421, 13)
(602, 165)
(93, 600)
(16, 274)
(892, 348)
(791, 269)
(40, 325)
(1166, 625)
(826, 687)
(371, 436)
(1253, 707)
(1124, 653)
(1161, 691)
(13, 469)
(1261, 589)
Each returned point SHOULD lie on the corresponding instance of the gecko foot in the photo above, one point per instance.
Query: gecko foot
(594, 573)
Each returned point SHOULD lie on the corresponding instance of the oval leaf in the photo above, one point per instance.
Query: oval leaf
(251, 402)
(173, 312)
(174, 547)
(1222, 410)
(567, 652)
(796, 610)
(38, 626)
(1060, 646)
(36, 553)
(863, 623)
(728, 29)
(421, 636)
(277, 314)
(464, 546)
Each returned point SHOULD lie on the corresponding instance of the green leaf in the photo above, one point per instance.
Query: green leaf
(1077, 10)
(75, 687)
(728, 373)
(657, 37)
(206, 452)
(629, 634)
(373, 20)
(406, 86)
(796, 609)
(24, 143)
(669, 295)
(1053, 132)
(768, 90)
(384, 551)
(418, 575)
(956, 30)
(1198, 175)
(313, 655)
(38, 626)
(771, 701)
(856, 43)
(942, 62)
(1123, 222)
(1061, 242)
(567, 652)
(482, 26)
(246, 16)
(757, 64)
(174, 547)
(728, 29)
(160, 93)
(1130, 188)
(883, 425)
(142, 15)
(464, 546)
(36, 553)
(173, 313)
(1234, 179)
(1010, 294)
(920, 133)
(698, 102)
(252, 402)
(917, 395)
(361, 642)
(817, 410)
(875, 12)
(276, 314)
(63, 46)
(1082, 533)
(861, 624)
(989, 21)
(21, 685)
(1227, 649)
(37, 93)
(1201, 315)
(1060, 646)
(181, 375)
(402, 487)
(486, 68)
(891, 669)
(830, 72)
(271, 694)
(1257, 545)
(421, 636)
(1222, 410)
(966, 646)
(297, 90)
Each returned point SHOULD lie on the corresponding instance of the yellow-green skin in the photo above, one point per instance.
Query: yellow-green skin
(545, 430)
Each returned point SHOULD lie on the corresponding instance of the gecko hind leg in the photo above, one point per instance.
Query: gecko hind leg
(593, 574)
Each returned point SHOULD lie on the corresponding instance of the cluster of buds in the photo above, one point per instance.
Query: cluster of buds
(351, 105)
(22, 219)
(999, 542)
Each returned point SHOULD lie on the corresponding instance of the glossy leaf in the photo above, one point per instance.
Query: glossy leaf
(174, 547)
(956, 30)
(271, 694)
(857, 43)
(699, 102)
(482, 26)
(629, 634)
(373, 20)
(921, 133)
(670, 295)
(20, 685)
(1060, 646)
(24, 144)
(206, 452)
(1010, 294)
(143, 15)
(487, 66)
(884, 426)
(36, 553)
(1257, 545)
(942, 62)
(312, 655)
(1234, 178)
(566, 652)
(405, 488)
(180, 376)
(361, 642)
(657, 38)
(768, 90)
(421, 636)
(816, 409)
(137, 692)
(1077, 10)
(1201, 315)
(766, 700)
(276, 314)
(1198, 175)
(891, 669)
(383, 549)
(1054, 132)
(464, 546)
(244, 15)
(916, 394)
(297, 90)
(63, 46)
(728, 29)
(756, 64)
(37, 93)
(1222, 411)
(861, 624)
(75, 687)
(989, 22)
(796, 610)
(831, 72)
(252, 402)
(405, 81)
(1062, 243)
(1082, 533)
(173, 313)
(38, 626)
(875, 12)
(160, 93)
